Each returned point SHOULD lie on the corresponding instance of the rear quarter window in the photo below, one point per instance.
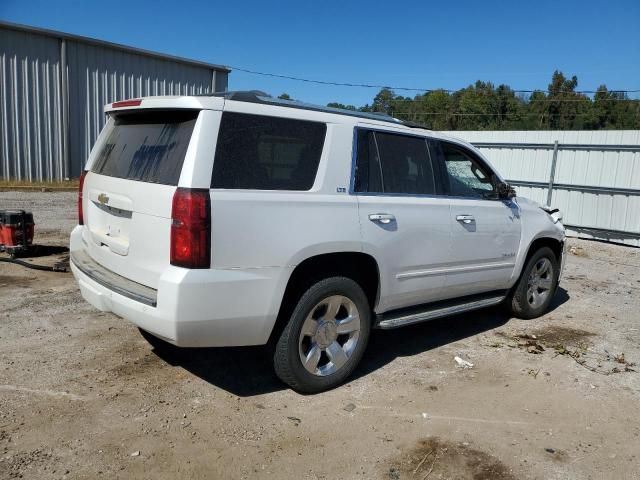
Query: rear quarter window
(147, 146)
(267, 153)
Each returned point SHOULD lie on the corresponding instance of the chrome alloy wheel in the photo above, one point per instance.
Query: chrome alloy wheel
(540, 282)
(329, 335)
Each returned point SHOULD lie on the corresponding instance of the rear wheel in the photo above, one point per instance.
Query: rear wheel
(326, 336)
(537, 285)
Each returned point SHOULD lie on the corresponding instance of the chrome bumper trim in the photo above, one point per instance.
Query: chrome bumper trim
(114, 282)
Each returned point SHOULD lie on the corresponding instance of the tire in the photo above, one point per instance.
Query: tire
(537, 285)
(329, 327)
(158, 344)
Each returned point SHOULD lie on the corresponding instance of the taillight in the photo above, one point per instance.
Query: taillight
(127, 103)
(80, 188)
(191, 228)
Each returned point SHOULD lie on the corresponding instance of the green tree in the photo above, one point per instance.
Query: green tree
(564, 105)
(511, 109)
(433, 109)
(383, 101)
(340, 105)
(482, 106)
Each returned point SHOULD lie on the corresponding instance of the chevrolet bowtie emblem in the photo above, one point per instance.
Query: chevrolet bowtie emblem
(103, 198)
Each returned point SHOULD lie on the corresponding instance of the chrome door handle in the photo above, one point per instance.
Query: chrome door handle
(382, 218)
(467, 219)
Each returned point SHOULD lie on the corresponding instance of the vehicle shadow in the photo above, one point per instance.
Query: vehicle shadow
(242, 371)
(248, 371)
(561, 297)
(386, 346)
(37, 250)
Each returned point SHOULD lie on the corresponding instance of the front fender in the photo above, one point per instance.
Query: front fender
(536, 224)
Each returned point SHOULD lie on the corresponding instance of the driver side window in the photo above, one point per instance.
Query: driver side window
(467, 177)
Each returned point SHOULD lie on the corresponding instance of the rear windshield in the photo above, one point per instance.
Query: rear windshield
(267, 153)
(146, 146)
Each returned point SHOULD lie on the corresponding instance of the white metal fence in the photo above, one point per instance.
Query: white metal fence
(592, 176)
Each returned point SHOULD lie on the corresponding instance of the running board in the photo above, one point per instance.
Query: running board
(432, 311)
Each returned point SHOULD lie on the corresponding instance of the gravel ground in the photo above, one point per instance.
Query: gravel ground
(82, 395)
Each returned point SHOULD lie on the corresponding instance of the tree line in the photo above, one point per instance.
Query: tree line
(483, 106)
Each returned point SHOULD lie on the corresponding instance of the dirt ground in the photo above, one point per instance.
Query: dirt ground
(82, 395)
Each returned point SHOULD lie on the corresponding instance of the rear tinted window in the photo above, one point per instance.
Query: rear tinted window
(267, 153)
(367, 175)
(146, 146)
(406, 166)
(391, 163)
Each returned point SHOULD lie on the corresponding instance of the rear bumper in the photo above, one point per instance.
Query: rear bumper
(112, 281)
(194, 308)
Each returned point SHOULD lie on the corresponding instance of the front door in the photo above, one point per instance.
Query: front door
(485, 230)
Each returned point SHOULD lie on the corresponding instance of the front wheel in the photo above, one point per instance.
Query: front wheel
(326, 336)
(534, 291)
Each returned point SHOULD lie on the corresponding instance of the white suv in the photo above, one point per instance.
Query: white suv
(239, 219)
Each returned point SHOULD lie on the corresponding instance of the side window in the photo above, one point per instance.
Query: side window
(390, 163)
(406, 166)
(367, 173)
(467, 177)
(267, 153)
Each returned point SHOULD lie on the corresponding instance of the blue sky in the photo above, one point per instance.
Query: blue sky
(416, 44)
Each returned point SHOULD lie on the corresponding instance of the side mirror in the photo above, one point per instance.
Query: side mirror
(505, 191)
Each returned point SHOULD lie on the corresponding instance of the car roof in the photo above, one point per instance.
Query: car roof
(365, 119)
(256, 96)
(240, 99)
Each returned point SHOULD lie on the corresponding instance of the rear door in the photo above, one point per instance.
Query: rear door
(128, 190)
(485, 230)
(405, 220)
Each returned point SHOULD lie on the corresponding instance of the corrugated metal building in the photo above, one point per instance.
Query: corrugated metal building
(53, 87)
(592, 176)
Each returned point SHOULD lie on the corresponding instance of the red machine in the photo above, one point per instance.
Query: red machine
(16, 231)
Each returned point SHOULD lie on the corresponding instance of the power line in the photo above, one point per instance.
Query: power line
(474, 114)
(546, 100)
(412, 89)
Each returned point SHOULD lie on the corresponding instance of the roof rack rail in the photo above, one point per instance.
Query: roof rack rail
(410, 124)
(257, 96)
(241, 95)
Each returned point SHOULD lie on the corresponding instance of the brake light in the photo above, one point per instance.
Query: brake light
(191, 228)
(80, 188)
(127, 103)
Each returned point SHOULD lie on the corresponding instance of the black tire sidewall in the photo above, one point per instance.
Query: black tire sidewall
(294, 372)
(519, 303)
